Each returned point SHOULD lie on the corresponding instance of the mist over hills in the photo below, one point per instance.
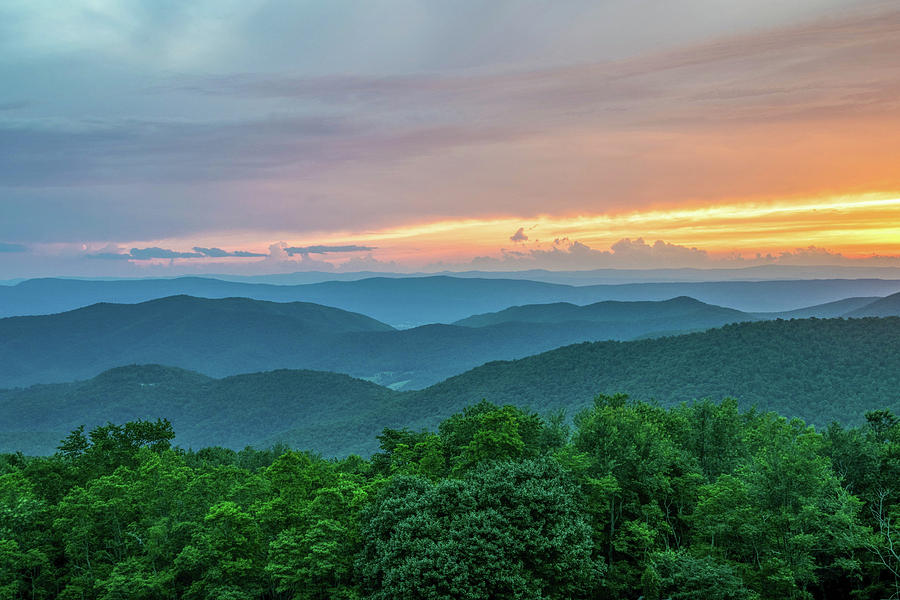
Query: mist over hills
(221, 337)
(218, 337)
(649, 317)
(645, 315)
(233, 411)
(839, 308)
(586, 277)
(411, 301)
(817, 369)
(883, 307)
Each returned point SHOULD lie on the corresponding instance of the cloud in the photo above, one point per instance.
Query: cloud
(6, 247)
(660, 252)
(107, 252)
(368, 263)
(108, 256)
(277, 252)
(572, 127)
(292, 250)
(636, 253)
(626, 253)
(155, 252)
(703, 121)
(519, 236)
(113, 252)
(219, 253)
(816, 256)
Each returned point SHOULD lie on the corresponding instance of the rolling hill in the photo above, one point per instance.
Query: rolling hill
(412, 301)
(233, 411)
(677, 315)
(882, 307)
(230, 336)
(222, 337)
(817, 369)
(217, 337)
(646, 316)
(829, 310)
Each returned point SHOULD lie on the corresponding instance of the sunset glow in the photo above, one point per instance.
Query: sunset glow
(761, 134)
(851, 226)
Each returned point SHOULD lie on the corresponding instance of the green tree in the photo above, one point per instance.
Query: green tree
(641, 486)
(315, 561)
(26, 550)
(784, 515)
(506, 530)
(225, 558)
(486, 432)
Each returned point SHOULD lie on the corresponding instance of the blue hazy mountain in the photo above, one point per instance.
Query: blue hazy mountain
(411, 301)
(832, 374)
(648, 316)
(829, 310)
(221, 337)
(233, 411)
(882, 307)
(596, 276)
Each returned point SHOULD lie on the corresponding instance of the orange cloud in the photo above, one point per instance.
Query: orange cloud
(854, 226)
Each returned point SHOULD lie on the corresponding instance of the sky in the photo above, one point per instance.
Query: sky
(155, 137)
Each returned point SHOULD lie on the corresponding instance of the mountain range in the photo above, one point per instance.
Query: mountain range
(583, 276)
(221, 337)
(412, 301)
(817, 369)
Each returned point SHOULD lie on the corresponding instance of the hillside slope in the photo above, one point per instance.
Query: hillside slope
(882, 307)
(646, 316)
(232, 336)
(234, 411)
(412, 301)
(820, 370)
(829, 310)
(217, 337)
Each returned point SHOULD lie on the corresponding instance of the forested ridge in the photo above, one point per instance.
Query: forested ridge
(237, 335)
(412, 301)
(232, 336)
(821, 370)
(695, 501)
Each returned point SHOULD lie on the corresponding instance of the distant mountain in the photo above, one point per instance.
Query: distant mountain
(221, 337)
(217, 337)
(592, 276)
(817, 369)
(412, 301)
(829, 310)
(234, 412)
(418, 357)
(883, 307)
(403, 302)
(236, 335)
(646, 317)
(820, 370)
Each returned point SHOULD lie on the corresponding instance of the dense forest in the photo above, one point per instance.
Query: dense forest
(696, 501)
(237, 335)
(820, 370)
